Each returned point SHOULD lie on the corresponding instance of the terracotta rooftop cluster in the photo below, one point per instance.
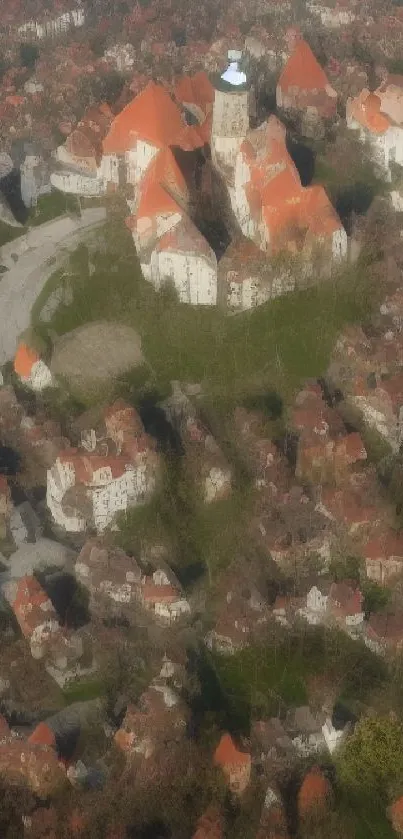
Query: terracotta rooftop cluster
(294, 217)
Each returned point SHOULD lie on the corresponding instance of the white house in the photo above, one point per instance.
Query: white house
(376, 127)
(30, 368)
(72, 19)
(183, 258)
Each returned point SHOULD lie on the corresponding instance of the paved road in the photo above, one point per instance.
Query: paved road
(30, 260)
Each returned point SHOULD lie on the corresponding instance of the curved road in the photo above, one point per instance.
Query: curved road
(30, 260)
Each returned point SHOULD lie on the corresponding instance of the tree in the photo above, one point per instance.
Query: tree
(28, 55)
(372, 759)
(375, 598)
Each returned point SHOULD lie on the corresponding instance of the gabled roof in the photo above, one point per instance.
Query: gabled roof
(314, 792)
(24, 360)
(162, 182)
(42, 736)
(195, 90)
(152, 116)
(227, 754)
(186, 238)
(303, 70)
(366, 110)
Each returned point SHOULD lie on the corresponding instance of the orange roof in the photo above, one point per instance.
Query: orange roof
(303, 70)
(24, 361)
(156, 201)
(162, 181)
(43, 736)
(366, 110)
(195, 90)
(227, 754)
(318, 211)
(152, 116)
(314, 791)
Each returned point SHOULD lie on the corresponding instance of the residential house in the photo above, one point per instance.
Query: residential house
(384, 632)
(328, 461)
(333, 733)
(31, 370)
(31, 765)
(111, 577)
(332, 16)
(383, 556)
(35, 613)
(246, 278)
(346, 506)
(184, 259)
(121, 57)
(378, 119)
(316, 607)
(80, 157)
(151, 122)
(52, 27)
(305, 731)
(159, 719)
(235, 764)
(303, 86)
(162, 594)
(90, 488)
(314, 794)
(344, 604)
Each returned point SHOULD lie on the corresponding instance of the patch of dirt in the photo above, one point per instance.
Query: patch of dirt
(95, 354)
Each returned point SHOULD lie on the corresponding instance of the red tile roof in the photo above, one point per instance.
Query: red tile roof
(366, 110)
(32, 606)
(302, 70)
(314, 792)
(227, 754)
(24, 360)
(42, 736)
(152, 116)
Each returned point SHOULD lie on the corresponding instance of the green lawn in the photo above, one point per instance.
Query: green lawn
(267, 679)
(83, 691)
(278, 344)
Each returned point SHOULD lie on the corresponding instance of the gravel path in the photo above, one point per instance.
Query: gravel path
(30, 260)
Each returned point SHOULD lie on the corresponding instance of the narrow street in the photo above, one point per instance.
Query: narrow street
(30, 261)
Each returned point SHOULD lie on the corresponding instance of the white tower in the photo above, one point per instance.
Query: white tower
(230, 116)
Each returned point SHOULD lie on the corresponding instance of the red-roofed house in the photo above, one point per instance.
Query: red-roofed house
(34, 612)
(374, 117)
(152, 121)
(303, 85)
(235, 764)
(384, 632)
(43, 735)
(30, 368)
(344, 604)
(85, 487)
(314, 793)
(383, 556)
(81, 154)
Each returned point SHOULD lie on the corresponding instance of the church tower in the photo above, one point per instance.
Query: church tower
(230, 115)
